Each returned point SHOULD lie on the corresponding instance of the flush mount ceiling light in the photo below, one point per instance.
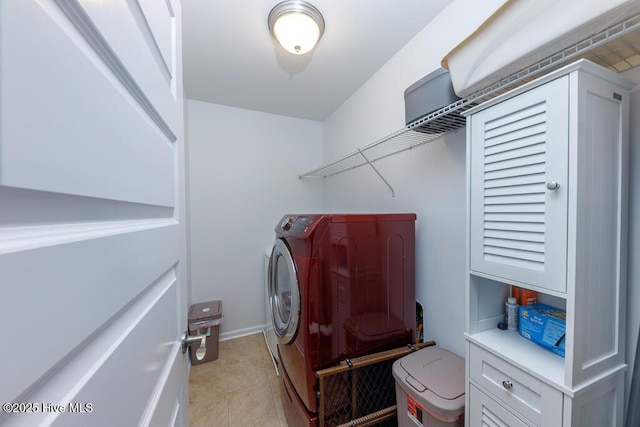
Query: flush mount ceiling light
(297, 25)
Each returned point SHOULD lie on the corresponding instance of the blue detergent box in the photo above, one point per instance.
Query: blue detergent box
(544, 325)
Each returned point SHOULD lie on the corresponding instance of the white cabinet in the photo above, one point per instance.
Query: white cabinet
(518, 226)
(547, 172)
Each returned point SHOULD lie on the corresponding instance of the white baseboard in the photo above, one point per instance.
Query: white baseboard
(241, 332)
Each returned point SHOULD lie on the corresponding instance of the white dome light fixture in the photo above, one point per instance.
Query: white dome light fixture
(297, 25)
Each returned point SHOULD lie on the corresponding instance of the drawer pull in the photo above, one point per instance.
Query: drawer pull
(507, 384)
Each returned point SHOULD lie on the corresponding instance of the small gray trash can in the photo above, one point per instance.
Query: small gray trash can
(430, 388)
(205, 319)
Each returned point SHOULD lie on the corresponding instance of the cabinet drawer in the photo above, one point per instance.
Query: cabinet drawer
(484, 411)
(527, 395)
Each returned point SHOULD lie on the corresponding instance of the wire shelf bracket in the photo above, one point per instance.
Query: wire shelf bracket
(616, 47)
(393, 193)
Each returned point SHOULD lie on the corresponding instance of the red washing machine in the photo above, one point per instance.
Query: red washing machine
(340, 286)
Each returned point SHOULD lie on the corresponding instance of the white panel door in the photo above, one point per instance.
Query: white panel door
(92, 233)
(518, 225)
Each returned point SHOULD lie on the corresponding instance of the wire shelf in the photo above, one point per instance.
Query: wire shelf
(616, 48)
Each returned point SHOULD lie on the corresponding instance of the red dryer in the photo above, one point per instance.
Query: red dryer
(340, 285)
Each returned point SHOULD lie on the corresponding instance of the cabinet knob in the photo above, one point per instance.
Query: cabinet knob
(553, 185)
(507, 384)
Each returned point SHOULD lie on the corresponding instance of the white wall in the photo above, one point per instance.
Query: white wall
(429, 180)
(243, 168)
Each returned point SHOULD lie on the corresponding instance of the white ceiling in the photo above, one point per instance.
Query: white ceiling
(231, 59)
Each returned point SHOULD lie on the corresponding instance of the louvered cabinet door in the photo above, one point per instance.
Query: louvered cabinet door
(519, 155)
(486, 412)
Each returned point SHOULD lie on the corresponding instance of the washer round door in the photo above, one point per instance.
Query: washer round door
(284, 293)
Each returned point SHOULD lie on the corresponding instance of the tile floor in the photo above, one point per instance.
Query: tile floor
(241, 388)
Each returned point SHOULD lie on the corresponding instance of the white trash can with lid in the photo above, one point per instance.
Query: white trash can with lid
(430, 388)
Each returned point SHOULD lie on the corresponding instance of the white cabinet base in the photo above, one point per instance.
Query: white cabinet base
(601, 404)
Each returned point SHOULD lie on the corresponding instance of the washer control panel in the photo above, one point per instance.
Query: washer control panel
(296, 224)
